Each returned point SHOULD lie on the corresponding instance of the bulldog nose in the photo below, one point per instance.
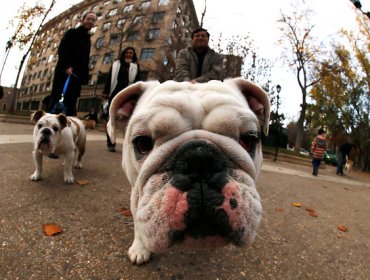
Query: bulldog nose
(46, 132)
(199, 162)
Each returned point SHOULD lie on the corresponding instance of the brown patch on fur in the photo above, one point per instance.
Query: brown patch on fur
(78, 129)
(36, 116)
(63, 121)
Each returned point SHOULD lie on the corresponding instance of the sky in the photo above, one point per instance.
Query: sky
(232, 17)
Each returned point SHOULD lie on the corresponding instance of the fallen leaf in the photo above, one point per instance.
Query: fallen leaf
(309, 209)
(51, 229)
(339, 235)
(296, 204)
(313, 214)
(82, 182)
(125, 212)
(278, 209)
(343, 228)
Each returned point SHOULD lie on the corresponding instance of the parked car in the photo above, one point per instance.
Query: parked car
(330, 158)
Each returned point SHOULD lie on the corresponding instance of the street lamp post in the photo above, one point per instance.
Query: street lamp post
(278, 89)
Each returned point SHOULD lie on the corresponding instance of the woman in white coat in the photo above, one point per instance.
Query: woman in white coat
(124, 72)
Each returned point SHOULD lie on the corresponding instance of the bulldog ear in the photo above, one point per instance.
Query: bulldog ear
(63, 120)
(257, 99)
(123, 105)
(36, 116)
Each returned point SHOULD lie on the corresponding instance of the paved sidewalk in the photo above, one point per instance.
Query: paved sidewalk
(290, 243)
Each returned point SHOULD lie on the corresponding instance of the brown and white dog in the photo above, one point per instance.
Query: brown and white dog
(192, 154)
(58, 134)
(347, 167)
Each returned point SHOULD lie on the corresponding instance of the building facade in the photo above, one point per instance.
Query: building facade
(157, 29)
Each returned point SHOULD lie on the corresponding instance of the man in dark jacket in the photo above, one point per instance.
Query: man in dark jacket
(73, 60)
(344, 151)
(199, 63)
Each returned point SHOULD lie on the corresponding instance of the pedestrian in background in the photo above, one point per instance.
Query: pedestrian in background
(318, 148)
(344, 151)
(199, 63)
(73, 61)
(124, 72)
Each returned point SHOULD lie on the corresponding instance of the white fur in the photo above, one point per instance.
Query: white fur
(68, 138)
(173, 114)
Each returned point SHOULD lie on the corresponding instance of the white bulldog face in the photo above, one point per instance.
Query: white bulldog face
(47, 130)
(192, 154)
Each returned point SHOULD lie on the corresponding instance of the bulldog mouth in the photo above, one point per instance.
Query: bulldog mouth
(206, 230)
(44, 144)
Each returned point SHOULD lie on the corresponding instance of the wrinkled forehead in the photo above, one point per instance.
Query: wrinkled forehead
(213, 93)
(48, 120)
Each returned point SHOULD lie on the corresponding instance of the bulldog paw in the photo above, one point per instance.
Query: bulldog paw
(35, 177)
(69, 179)
(78, 164)
(138, 254)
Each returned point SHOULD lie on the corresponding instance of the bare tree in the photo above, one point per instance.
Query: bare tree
(25, 35)
(301, 52)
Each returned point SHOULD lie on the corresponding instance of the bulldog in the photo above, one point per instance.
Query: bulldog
(58, 134)
(192, 154)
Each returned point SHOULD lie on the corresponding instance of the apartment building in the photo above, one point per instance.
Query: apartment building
(157, 29)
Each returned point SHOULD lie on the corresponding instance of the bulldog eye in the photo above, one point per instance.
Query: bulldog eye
(39, 126)
(55, 128)
(249, 141)
(143, 144)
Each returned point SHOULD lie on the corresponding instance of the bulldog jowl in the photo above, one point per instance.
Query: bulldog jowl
(198, 198)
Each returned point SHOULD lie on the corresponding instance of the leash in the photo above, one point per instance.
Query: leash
(59, 107)
(65, 89)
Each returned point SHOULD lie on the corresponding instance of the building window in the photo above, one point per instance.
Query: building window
(100, 42)
(115, 39)
(128, 8)
(106, 3)
(174, 25)
(157, 17)
(146, 54)
(113, 12)
(95, 8)
(50, 58)
(117, 1)
(106, 26)
(92, 61)
(138, 19)
(163, 2)
(108, 58)
(121, 23)
(152, 34)
(133, 35)
(144, 5)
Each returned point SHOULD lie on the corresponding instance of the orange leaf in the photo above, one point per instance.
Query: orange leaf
(125, 212)
(296, 204)
(51, 229)
(278, 209)
(342, 228)
(309, 209)
(82, 182)
(313, 214)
